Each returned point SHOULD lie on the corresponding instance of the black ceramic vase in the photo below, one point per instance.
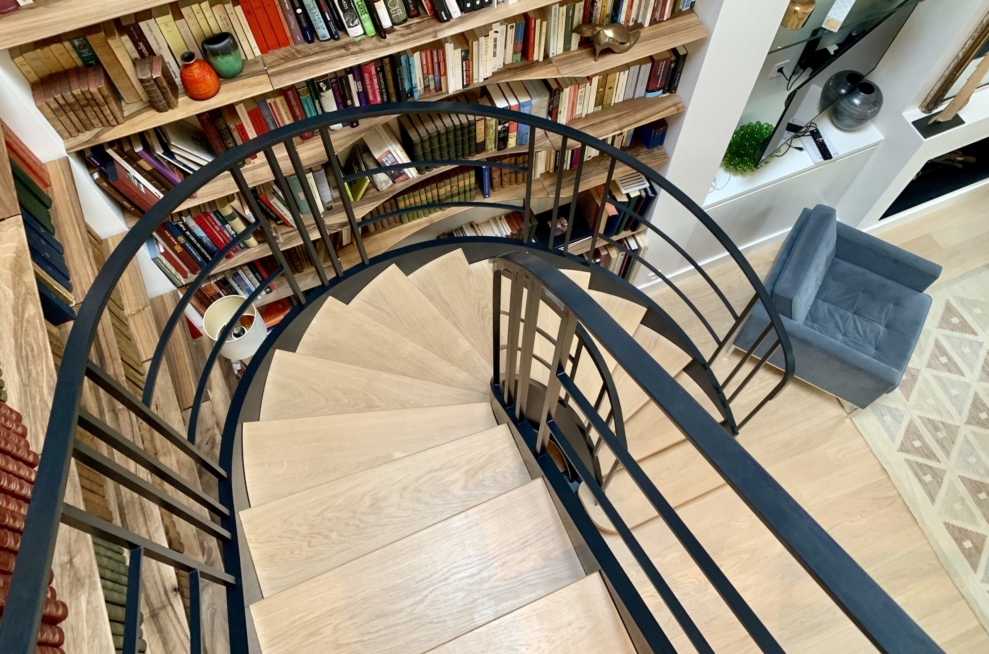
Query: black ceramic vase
(838, 85)
(858, 106)
(223, 54)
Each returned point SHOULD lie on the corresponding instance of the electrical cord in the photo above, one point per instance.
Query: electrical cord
(792, 78)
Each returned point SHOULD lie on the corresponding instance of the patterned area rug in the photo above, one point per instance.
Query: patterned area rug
(932, 434)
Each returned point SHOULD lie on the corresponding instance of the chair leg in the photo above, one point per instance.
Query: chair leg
(850, 409)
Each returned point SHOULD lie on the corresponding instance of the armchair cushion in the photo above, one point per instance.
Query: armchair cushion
(873, 315)
(884, 259)
(808, 262)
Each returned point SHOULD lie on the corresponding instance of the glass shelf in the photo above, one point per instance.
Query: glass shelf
(864, 14)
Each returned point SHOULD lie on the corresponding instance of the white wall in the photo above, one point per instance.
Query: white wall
(716, 83)
(924, 49)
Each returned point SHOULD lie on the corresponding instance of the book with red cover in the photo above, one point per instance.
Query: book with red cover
(209, 230)
(212, 135)
(273, 312)
(277, 23)
(271, 207)
(26, 159)
(255, 25)
(257, 119)
(291, 96)
(264, 23)
(370, 77)
(17, 468)
(175, 249)
(11, 520)
(13, 485)
(13, 504)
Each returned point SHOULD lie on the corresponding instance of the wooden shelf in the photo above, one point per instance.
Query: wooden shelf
(301, 62)
(595, 172)
(585, 244)
(600, 124)
(45, 18)
(139, 116)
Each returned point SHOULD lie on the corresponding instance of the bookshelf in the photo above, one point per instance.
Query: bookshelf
(287, 66)
(600, 124)
(139, 116)
(595, 173)
(44, 18)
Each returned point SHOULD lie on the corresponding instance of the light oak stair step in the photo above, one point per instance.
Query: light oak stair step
(299, 386)
(393, 300)
(628, 315)
(449, 285)
(648, 430)
(316, 530)
(679, 472)
(576, 619)
(341, 333)
(431, 587)
(282, 457)
(671, 358)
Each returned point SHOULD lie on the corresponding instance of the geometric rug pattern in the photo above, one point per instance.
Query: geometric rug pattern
(932, 434)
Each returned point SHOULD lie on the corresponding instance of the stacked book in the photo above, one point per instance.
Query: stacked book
(457, 185)
(618, 260)
(113, 570)
(32, 183)
(17, 474)
(10, 6)
(138, 170)
(508, 226)
(78, 100)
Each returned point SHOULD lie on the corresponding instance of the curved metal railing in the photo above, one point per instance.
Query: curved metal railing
(47, 511)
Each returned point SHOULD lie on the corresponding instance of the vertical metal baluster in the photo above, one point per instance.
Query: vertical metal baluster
(530, 167)
(564, 336)
(293, 208)
(132, 612)
(532, 306)
(573, 368)
(573, 198)
(610, 475)
(496, 327)
(599, 225)
(262, 223)
(723, 345)
(514, 318)
(556, 194)
(300, 172)
(331, 156)
(195, 614)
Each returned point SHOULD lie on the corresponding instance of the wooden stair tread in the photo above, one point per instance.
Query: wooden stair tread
(548, 321)
(648, 430)
(299, 386)
(671, 358)
(679, 472)
(282, 457)
(394, 301)
(341, 333)
(578, 618)
(316, 530)
(431, 587)
(628, 315)
(449, 285)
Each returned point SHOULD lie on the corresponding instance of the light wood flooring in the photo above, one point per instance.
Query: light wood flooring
(805, 440)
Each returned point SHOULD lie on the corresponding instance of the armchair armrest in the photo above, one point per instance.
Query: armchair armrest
(884, 259)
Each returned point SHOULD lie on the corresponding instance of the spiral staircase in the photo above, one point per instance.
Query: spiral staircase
(448, 447)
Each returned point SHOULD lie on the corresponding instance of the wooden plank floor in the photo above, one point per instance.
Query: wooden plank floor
(805, 441)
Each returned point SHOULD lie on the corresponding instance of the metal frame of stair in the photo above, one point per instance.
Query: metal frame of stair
(524, 264)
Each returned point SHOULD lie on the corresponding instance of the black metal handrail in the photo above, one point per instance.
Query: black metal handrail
(875, 614)
(47, 509)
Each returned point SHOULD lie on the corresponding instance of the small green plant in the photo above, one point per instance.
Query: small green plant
(740, 157)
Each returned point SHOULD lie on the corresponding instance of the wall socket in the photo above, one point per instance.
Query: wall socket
(776, 69)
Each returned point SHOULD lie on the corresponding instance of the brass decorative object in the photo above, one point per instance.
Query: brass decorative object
(958, 66)
(614, 36)
(797, 13)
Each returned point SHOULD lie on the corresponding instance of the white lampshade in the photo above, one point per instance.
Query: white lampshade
(237, 348)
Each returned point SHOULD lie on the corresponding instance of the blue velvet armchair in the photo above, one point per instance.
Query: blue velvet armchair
(853, 306)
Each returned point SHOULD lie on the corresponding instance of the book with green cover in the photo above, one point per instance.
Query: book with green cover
(365, 17)
(28, 183)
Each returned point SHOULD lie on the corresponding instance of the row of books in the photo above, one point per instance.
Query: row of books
(32, 186)
(457, 185)
(509, 225)
(618, 260)
(18, 463)
(112, 568)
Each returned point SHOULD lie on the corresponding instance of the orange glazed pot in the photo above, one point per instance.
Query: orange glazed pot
(198, 78)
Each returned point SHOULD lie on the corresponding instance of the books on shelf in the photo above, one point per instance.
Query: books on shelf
(32, 187)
